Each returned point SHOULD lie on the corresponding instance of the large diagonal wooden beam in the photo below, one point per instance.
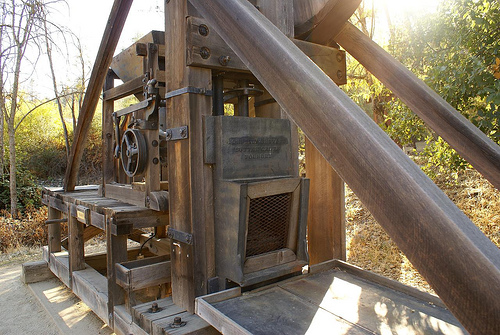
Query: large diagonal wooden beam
(453, 127)
(461, 263)
(112, 32)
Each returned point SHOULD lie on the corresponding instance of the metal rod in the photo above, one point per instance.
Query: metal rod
(456, 258)
(218, 97)
(51, 221)
(243, 109)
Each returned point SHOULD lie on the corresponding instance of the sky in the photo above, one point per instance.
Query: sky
(87, 19)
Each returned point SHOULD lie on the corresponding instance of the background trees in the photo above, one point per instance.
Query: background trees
(456, 51)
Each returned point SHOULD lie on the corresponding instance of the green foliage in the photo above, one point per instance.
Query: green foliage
(403, 126)
(456, 51)
(441, 158)
(28, 191)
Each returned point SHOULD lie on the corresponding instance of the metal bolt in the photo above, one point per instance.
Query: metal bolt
(339, 57)
(183, 132)
(155, 161)
(203, 30)
(168, 134)
(340, 75)
(205, 52)
(108, 135)
(154, 143)
(177, 322)
(154, 307)
(224, 60)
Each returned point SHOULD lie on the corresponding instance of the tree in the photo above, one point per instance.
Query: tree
(21, 28)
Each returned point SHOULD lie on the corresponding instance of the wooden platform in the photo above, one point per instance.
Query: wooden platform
(92, 288)
(93, 209)
(336, 301)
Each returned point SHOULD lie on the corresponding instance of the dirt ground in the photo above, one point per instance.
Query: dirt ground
(23, 313)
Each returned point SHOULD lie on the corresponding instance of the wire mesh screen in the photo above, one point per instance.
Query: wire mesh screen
(268, 223)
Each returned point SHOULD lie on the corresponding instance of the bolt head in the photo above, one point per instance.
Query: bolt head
(203, 30)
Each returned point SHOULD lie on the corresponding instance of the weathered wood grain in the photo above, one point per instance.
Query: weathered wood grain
(441, 242)
(75, 245)
(190, 180)
(326, 219)
(116, 247)
(112, 32)
(54, 230)
(33, 272)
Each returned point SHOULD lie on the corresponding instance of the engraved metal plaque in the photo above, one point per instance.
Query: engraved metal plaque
(249, 148)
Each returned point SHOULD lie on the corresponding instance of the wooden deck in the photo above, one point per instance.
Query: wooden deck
(336, 301)
(125, 217)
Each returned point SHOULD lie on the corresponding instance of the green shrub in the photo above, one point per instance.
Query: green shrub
(28, 191)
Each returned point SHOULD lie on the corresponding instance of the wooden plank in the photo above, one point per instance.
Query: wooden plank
(75, 244)
(126, 194)
(143, 275)
(268, 260)
(112, 32)
(272, 187)
(128, 88)
(326, 219)
(218, 319)
(331, 60)
(98, 261)
(143, 316)
(59, 265)
(330, 21)
(359, 302)
(194, 326)
(190, 180)
(117, 253)
(33, 272)
(392, 284)
(54, 230)
(410, 208)
(90, 286)
(108, 107)
(88, 233)
(124, 325)
(453, 127)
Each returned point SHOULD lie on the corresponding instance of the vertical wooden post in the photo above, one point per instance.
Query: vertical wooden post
(190, 180)
(108, 107)
(279, 12)
(54, 230)
(326, 218)
(116, 253)
(153, 170)
(75, 243)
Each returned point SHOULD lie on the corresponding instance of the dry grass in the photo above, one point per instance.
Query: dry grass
(26, 232)
(371, 248)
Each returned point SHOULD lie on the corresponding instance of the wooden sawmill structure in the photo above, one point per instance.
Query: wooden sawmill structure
(232, 238)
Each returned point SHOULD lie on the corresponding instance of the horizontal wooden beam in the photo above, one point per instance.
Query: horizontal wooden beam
(453, 127)
(456, 258)
(130, 87)
(112, 32)
(218, 55)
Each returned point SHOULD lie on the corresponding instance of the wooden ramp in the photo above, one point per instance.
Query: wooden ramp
(341, 300)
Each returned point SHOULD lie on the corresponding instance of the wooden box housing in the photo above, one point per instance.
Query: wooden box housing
(260, 205)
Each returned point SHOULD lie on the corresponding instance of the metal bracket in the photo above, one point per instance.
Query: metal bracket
(180, 236)
(174, 134)
(189, 89)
